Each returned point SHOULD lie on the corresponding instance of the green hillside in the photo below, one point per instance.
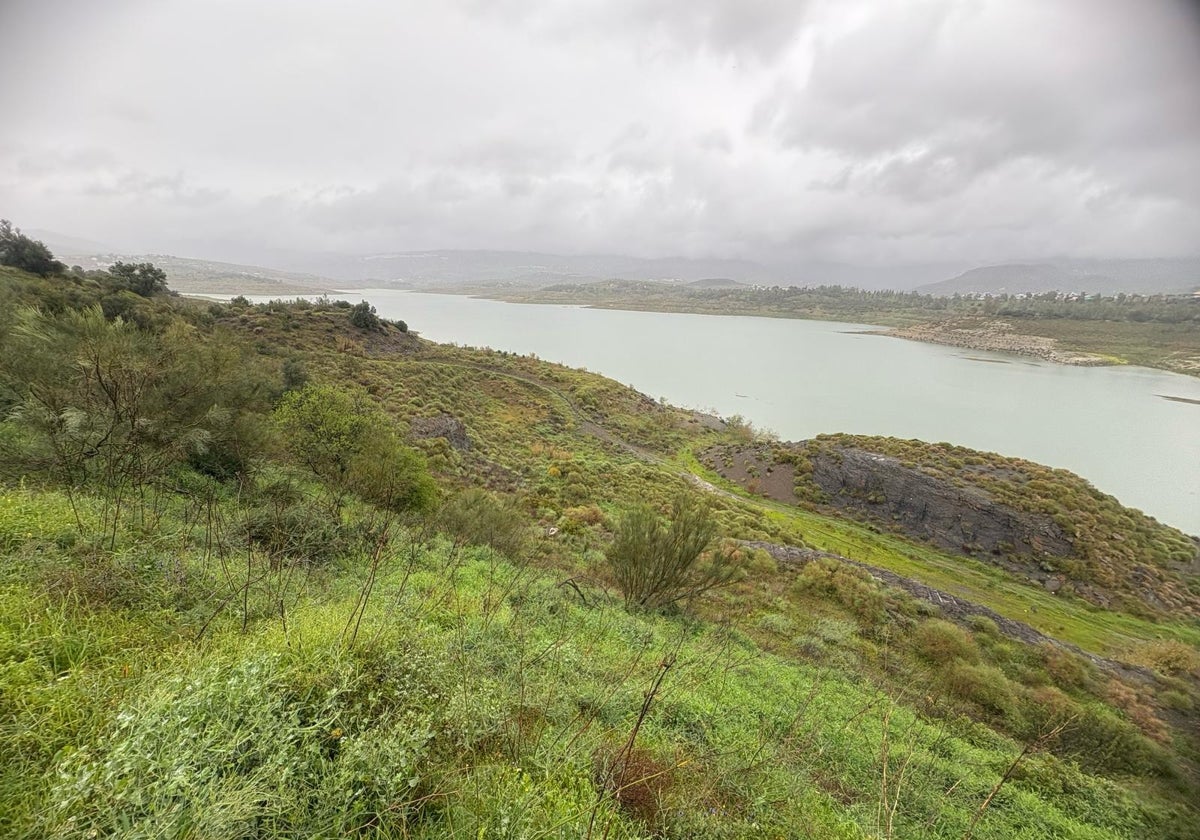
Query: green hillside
(290, 570)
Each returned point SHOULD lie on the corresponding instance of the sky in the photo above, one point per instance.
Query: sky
(872, 133)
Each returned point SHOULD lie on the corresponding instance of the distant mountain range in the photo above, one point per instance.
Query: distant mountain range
(1159, 276)
(206, 276)
(297, 271)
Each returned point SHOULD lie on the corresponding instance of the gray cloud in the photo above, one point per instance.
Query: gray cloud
(862, 131)
(922, 104)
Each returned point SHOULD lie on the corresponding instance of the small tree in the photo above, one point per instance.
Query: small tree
(353, 449)
(363, 316)
(657, 564)
(19, 251)
(143, 279)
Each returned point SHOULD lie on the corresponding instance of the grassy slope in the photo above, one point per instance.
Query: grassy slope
(770, 722)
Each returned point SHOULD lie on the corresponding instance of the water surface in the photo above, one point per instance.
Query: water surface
(799, 378)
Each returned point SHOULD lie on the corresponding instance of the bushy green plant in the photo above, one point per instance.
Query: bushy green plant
(301, 532)
(351, 448)
(983, 685)
(363, 316)
(477, 517)
(658, 564)
(20, 251)
(941, 642)
(850, 586)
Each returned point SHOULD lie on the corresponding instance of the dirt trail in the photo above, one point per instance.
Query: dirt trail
(953, 607)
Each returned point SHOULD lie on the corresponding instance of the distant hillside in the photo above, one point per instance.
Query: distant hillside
(533, 270)
(715, 283)
(1157, 276)
(440, 268)
(190, 276)
(61, 243)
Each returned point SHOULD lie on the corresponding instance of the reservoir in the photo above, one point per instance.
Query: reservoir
(1111, 425)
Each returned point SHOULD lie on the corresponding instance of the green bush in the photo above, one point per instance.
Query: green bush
(363, 316)
(983, 685)
(477, 517)
(850, 586)
(301, 532)
(656, 564)
(940, 643)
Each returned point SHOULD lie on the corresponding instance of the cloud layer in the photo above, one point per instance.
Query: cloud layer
(865, 132)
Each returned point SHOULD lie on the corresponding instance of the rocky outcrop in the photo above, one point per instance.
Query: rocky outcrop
(1044, 526)
(441, 426)
(958, 518)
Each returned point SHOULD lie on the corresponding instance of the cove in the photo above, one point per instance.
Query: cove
(1111, 425)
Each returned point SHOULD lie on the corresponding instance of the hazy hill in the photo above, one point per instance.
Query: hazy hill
(205, 276)
(1141, 276)
(436, 268)
(715, 283)
(291, 271)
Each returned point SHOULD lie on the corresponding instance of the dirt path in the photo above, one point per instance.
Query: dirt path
(952, 606)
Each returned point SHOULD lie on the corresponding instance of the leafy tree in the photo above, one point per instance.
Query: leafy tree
(389, 474)
(658, 564)
(106, 404)
(352, 449)
(145, 279)
(363, 316)
(19, 251)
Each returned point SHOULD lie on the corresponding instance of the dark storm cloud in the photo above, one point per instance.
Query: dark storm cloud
(864, 131)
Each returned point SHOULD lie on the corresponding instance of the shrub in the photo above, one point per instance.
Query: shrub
(852, 587)
(940, 643)
(983, 685)
(353, 449)
(1065, 668)
(363, 316)
(657, 565)
(477, 517)
(1167, 656)
(234, 749)
(19, 251)
(295, 374)
(301, 532)
(144, 279)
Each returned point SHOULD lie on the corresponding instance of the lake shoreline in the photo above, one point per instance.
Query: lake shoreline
(997, 337)
(971, 333)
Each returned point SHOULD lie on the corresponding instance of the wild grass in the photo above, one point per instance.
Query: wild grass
(246, 667)
(456, 713)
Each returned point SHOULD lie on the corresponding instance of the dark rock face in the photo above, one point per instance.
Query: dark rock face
(957, 518)
(443, 426)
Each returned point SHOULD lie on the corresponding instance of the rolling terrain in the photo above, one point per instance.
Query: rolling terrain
(214, 620)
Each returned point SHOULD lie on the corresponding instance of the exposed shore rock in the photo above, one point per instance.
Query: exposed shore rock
(957, 518)
(1047, 527)
(995, 336)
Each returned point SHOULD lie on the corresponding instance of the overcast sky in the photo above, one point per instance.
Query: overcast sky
(864, 132)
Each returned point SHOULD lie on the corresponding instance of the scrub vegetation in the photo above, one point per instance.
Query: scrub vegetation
(290, 570)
